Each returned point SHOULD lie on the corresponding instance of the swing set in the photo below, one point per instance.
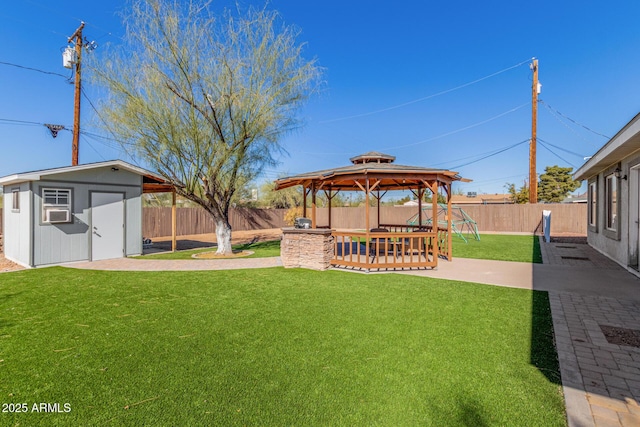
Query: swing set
(461, 221)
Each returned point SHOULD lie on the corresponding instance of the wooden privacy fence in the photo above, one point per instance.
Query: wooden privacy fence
(156, 222)
(565, 218)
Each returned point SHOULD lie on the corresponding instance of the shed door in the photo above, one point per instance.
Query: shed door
(107, 226)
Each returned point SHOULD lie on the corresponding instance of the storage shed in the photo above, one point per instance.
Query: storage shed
(78, 213)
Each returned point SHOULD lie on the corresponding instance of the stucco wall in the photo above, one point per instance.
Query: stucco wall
(622, 246)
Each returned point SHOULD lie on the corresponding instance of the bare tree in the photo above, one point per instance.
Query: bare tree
(204, 100)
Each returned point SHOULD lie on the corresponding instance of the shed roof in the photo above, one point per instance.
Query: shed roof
(622, 145)
(148, 178)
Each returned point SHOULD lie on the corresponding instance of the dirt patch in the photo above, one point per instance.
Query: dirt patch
(214, 255)
(621, 336)
(6, 265)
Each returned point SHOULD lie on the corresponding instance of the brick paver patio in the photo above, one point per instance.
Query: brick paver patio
(601, 380)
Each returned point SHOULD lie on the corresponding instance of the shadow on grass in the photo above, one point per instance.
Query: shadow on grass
(544, 355)
(271, 244)
(543, 349)
(5, 298)
(470, 414)
(182, 245)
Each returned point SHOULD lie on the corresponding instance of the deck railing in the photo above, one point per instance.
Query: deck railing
(399, 248)
(443, 241)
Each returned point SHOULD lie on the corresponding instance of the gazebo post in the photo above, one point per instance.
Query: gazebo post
(420, 193)
(313, 204)
(174, 221)
(329, 198)
(378, 205)
(434, 218)
(304, 201)
(366, 221)
(449, 237)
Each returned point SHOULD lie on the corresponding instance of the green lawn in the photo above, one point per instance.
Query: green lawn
(491, 246)
(499, 247)
(274, 347)
(259, 249)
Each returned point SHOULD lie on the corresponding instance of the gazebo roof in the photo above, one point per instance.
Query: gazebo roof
(371, 165)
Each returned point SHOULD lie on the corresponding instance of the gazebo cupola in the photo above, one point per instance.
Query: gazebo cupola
(372, 157)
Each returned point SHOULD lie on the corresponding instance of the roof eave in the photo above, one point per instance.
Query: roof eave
(622, 145)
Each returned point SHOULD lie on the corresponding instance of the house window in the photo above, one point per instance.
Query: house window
(611, 196)
(592, 204)
(56, 205)
(15, 200)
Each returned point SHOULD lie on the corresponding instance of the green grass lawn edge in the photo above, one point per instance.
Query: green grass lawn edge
(501, 247)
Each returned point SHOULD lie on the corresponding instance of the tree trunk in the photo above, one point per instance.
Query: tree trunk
(223, 235)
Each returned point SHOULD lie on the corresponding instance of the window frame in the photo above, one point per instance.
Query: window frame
(592, 200)
(611, 206)
(611, 189)
(15, 200)
(57, 204)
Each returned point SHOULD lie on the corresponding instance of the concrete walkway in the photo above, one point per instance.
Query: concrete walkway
(133, 264)
(587, 291)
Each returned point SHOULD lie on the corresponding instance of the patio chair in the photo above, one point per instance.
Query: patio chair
(380, 245)
(413, 245)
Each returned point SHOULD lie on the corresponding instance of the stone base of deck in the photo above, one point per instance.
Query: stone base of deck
(306, 248)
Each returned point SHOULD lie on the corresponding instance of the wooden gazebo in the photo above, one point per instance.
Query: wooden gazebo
(385, 245)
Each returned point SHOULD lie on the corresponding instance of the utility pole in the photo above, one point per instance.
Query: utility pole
(78, 88)
(533, 177)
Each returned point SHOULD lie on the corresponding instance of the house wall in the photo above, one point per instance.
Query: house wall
(57, 243)
(17, 225)
(622, 245)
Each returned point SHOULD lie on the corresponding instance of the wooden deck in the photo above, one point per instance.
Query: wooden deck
(399, 248)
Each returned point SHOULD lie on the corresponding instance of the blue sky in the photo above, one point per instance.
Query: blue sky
(378, 56)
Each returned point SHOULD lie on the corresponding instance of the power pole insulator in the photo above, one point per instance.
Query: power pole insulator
(533, 177)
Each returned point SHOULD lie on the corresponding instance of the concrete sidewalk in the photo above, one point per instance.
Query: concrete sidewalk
(133, 264)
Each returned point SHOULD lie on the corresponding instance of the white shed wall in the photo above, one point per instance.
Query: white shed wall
(17, 225)
(68, 242)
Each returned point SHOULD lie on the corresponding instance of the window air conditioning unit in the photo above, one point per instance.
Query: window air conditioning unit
(57, 215)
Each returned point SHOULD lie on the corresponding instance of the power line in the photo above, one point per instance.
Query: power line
(35, 69)
(490, 155)
(550, 108)
(121, 146)
(424, 141)
(94, 149)
(556, 154)
(563, 149)
(404, 104)
(22, 122)
(497, 150)
(460, 129)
